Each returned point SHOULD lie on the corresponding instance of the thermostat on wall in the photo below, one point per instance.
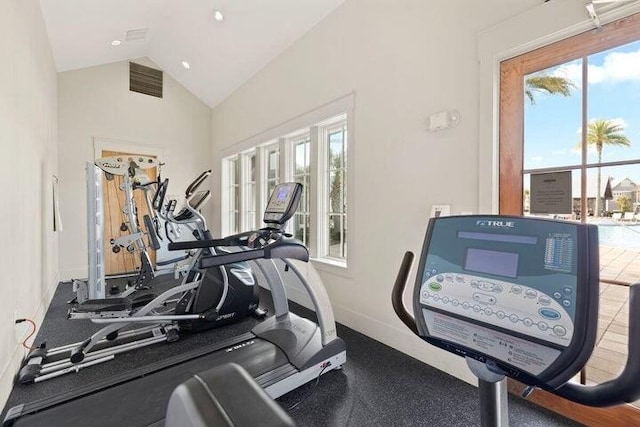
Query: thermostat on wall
(443, 120)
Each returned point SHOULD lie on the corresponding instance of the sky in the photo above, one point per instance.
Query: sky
(552, 125)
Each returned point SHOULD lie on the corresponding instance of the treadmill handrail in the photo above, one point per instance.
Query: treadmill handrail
(283, 247)
(240, 239)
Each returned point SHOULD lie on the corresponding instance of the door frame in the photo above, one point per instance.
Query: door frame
(540, 26)
(510, 167)
(101, 145)
(511, 117)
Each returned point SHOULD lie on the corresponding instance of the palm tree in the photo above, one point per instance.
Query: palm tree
(601, 132)
(552, 85)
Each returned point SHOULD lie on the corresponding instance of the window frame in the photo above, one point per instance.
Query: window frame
(325, 129)
(313, 123)
(247, 223)
(231, 186)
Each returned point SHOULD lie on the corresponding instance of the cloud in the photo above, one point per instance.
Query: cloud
(618, 67)
(620, 122)
(537, 159)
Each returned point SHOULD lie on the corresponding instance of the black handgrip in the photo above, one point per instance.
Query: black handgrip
(196, 182)
(398, 290)
(197, 244)
(158, 198)
(173, 261)
(626, 387)
(240, 239)
(225, 259)
(151, 230)
(166, 231)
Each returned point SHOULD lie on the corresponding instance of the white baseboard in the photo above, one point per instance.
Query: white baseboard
(399, 339)
(13, 365)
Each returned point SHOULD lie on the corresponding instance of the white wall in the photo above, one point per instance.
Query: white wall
(29, 141)
(96, 102)
(403, 61)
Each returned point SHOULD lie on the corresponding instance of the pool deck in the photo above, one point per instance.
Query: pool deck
(610, 353)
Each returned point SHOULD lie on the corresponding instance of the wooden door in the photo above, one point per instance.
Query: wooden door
(114, 216)
(512, 171)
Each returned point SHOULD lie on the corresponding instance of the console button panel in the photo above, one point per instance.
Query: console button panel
(501, 303)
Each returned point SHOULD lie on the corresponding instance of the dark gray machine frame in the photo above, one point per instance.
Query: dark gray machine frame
(491, 371)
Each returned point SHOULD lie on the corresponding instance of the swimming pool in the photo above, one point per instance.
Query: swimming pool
(618, 235)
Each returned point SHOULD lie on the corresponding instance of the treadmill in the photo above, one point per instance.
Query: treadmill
(282, 352)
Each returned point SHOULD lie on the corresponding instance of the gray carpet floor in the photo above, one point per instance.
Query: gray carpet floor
(378, 386)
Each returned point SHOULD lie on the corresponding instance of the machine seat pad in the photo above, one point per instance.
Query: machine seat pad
(224, 396)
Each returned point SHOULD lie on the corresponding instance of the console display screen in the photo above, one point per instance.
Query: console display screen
(492, 262)
(280, 199)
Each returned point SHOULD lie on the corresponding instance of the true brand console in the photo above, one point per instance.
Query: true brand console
(519, 294)
(517, 297)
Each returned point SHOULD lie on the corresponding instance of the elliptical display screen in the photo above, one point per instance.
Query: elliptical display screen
(493, 262)
(504, 288)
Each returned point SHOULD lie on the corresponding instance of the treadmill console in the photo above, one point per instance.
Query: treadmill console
(283, 203)
(519, 294)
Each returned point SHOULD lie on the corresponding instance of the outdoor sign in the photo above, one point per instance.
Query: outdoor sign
(551, 193)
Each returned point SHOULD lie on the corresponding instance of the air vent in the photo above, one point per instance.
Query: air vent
(145, 80)
(138, 34)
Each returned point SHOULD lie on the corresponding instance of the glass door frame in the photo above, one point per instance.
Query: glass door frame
(511, 167)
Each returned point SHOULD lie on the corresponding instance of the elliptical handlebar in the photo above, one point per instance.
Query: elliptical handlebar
(398, 290)
(196, 183)
(158, 198)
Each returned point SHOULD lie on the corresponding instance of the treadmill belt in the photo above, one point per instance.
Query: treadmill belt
(143, 401)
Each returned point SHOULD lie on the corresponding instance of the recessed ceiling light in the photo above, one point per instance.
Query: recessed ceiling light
(116, 43)
(218, 16)
(186, 65)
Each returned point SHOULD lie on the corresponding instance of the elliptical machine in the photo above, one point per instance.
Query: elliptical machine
(516, 297)
(208, 297)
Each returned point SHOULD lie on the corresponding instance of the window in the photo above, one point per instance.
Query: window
(302, 174)
(567, 110)
(272, 154)
(336, 214)
(249, 193)
(233, 201)
(316, 157)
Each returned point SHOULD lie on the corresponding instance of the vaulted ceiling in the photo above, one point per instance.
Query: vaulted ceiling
(222, 54)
